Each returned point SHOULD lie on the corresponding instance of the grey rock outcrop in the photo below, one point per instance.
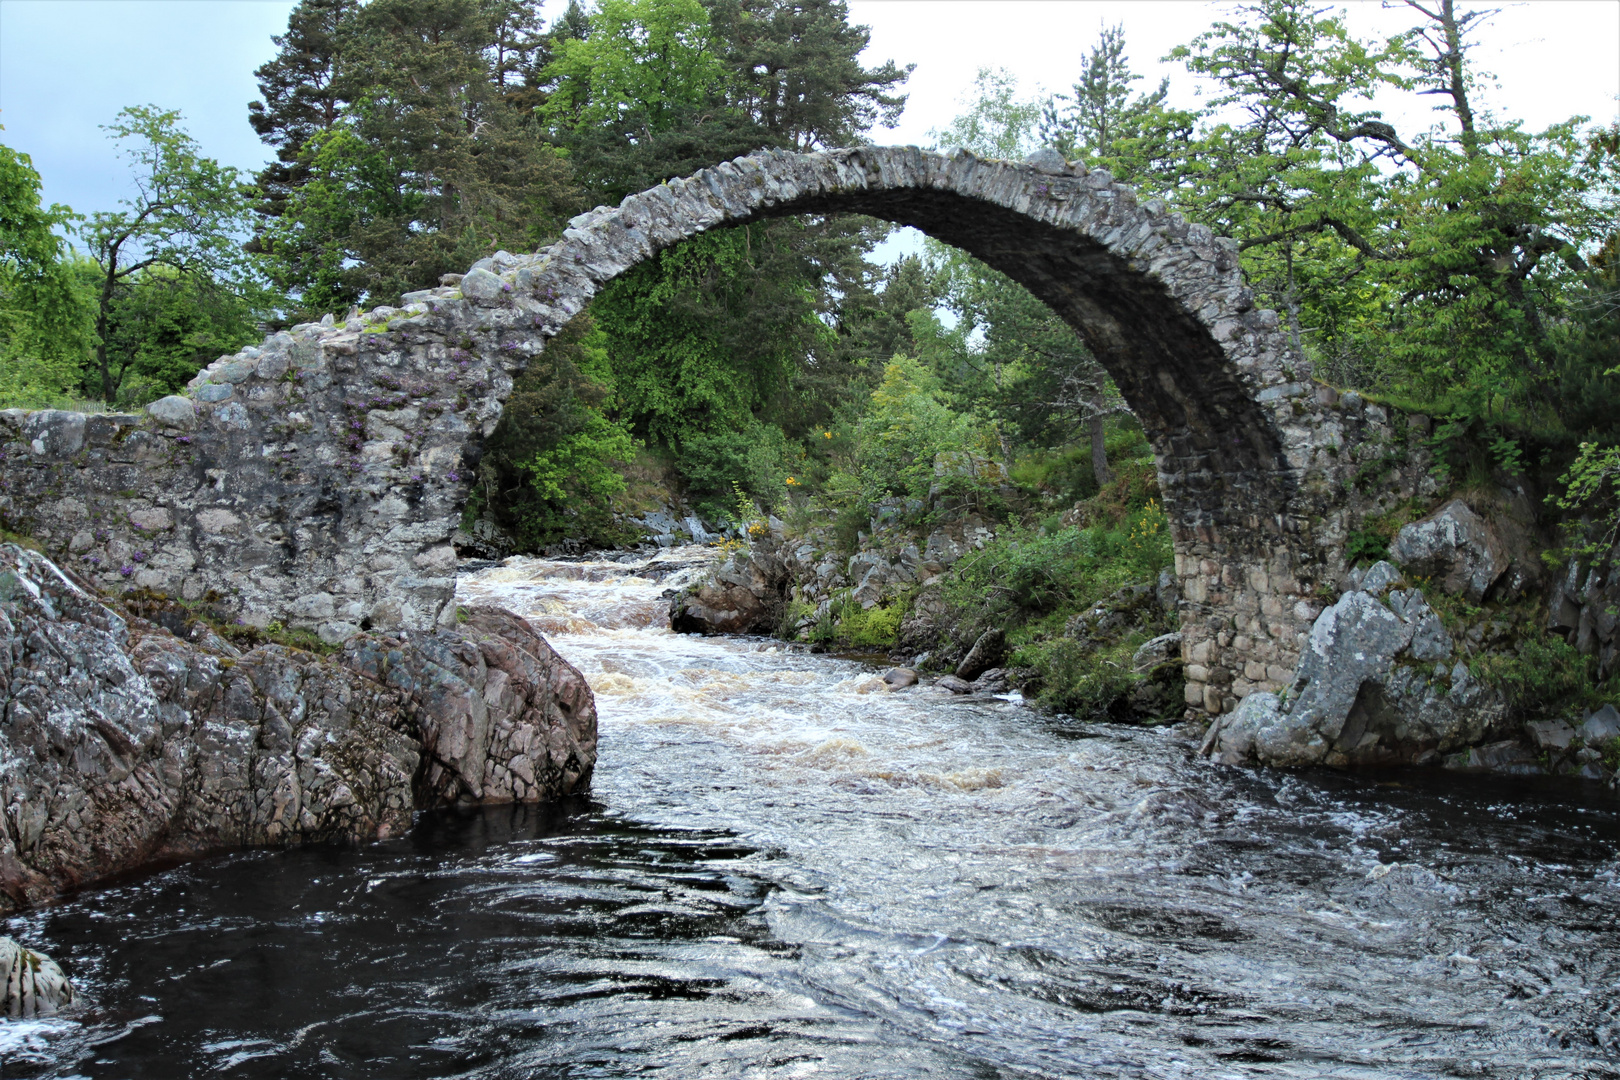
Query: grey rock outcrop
(1373, 685)
(1601, 725)
(31, 983)
(899, 678)
(1455, 547)
(124, 742)
(1585, 608)
(743, 595)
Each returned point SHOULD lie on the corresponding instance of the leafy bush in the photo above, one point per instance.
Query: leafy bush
(874, 628)
(1064, 473)
(1365, 546)
(1081, 680)
(555, 464)
(1547, 677)
(847, 624)
(907, 426)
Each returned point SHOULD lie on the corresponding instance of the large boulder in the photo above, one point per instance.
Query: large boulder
(1377, 683)
(123, 742)
(746, 594)
(1454, 547)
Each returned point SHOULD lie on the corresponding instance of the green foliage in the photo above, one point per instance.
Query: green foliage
(1037, 572)
(848, 625)
(302, 97)
(751, 460)
(654, 89)
(1365, 546)
(1078, 678)
(183, 223)
(998, 123)
(45, 317)
(1100, 115)
(907, 430)
(1545, 677)
(554, 466)
(872, 628)
(1592, 488)
(409, 149)
(706, 336)
(164, 326)
(1436, 265)
(651, 57)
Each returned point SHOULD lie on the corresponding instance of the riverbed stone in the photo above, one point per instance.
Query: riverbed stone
(900, 678)
(987, 652)
(31, 983)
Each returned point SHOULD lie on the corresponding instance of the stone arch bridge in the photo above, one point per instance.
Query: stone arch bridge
(315, 479)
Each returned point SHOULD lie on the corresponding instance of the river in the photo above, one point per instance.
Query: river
(785, 870)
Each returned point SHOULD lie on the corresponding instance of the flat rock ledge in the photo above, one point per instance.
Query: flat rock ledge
(123, 743)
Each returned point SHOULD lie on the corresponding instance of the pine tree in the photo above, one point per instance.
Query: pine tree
(1092, 120)
(433, 162)
(300, 93)
(796, 71)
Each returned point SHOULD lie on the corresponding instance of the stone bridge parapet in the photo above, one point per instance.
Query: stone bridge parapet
(315, 479)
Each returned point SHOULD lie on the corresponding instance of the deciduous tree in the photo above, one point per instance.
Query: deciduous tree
(189, 215)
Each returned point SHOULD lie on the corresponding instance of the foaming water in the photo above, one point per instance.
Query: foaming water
(786, 869)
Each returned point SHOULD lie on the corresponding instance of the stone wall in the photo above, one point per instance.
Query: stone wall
(315, 480)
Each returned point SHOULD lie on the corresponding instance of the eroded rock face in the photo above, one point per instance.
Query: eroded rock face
(1376, 684)
(122, 742)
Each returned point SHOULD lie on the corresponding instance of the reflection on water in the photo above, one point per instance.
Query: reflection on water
(788, 870)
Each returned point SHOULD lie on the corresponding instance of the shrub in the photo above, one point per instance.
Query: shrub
(753, 458)
(1080, 680)
(1546, 677)
(874, 628)
(1365, 546)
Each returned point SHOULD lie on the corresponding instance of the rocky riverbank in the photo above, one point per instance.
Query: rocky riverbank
(135, 737)
(1459, 650)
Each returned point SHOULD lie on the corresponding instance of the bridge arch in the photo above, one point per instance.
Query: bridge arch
(316, 479)
(1161, 303)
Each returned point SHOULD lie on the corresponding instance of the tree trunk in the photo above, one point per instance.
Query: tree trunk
(103, 316)
(1099, 452)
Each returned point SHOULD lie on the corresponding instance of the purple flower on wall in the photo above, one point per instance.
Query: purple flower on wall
(453, 477)
(126, 570)
(139, 556)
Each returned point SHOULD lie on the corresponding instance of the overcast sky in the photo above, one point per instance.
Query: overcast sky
(67, 66)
